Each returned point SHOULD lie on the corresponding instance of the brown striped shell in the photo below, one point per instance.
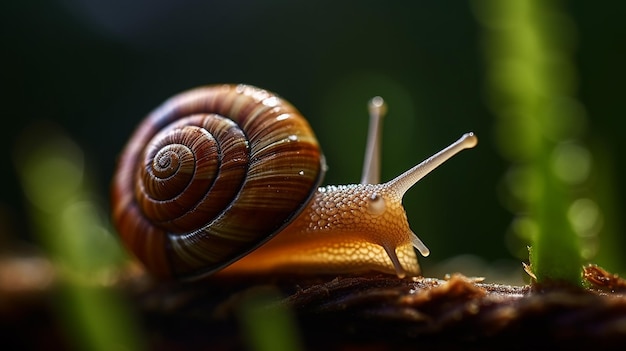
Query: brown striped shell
(210, 175)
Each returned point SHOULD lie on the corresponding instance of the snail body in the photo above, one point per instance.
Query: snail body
(347, 228)
(226, 178)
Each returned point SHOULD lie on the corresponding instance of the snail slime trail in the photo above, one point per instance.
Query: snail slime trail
(225, 179)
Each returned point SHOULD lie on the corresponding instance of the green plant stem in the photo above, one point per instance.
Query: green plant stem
(555, 247)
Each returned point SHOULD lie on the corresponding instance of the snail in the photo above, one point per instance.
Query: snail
(225, 179)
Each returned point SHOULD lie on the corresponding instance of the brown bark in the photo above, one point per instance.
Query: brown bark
(372, 312)
(382, 312)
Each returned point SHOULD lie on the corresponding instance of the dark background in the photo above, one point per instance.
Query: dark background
(95, 68)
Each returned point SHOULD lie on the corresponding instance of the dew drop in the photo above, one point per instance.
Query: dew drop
(271, 101)
(283, 117)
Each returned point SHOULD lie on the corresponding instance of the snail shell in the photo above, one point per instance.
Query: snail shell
(211, 175)
(226, 178)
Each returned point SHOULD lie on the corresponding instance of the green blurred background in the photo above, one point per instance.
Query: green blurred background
(92, 69)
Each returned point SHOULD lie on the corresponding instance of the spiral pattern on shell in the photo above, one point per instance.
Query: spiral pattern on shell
(210, 175)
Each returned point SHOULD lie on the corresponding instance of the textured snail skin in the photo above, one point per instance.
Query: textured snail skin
(340, 231)
(185, 213)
